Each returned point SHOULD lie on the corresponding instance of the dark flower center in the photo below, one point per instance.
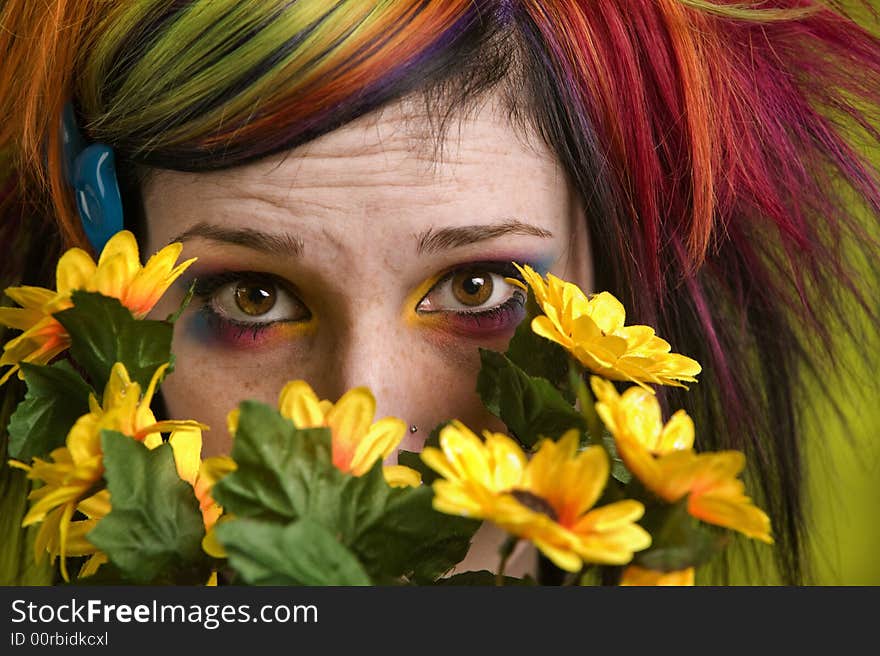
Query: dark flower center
(536, 503)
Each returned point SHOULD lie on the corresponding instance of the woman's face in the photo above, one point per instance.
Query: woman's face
(371, 256)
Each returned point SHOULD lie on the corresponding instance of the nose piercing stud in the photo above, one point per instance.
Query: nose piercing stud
(413, 428)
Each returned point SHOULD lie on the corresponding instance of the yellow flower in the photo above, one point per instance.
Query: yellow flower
(202, 475)
(118, 274)
(73, 478)
(634, 575)
(546, 499)
(357, 441)
(661, 457)
(593, 331)
(636, 415)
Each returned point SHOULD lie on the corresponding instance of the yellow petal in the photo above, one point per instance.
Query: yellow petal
(607, 350)
(604, 390)
(381, 439)
(638, 337)
(677, 434)
(610, 517)
(508, 461)
(400, 476)
(350, 418)
(123, 248)
(465, 453)
(75, 270)
(580, 484)
(63, 528)
(642, 417)
(534, 280)
(718, 467)
(187, 448)
(118, 386)
(738, 514)
(113, 276)
(46, 540)
(20, 318)
(607, 312)
(232, 421)
(92, 564)
(32, 298)
(96, 506)
(433, 457)
(614, 547)
(583, 330)
(154, 383)
(173, 425)
(210, 544)
(453, 500)
(214, 468)
(566, 559)
(545, 470)
(77, 544)
(299, 403)
(52, 500)
(151, 282)
(9, 373)
(543, 327)
(671, 476)
(634, 575)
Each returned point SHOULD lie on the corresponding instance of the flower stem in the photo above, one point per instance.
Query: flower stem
(505, 551)
(586, 405)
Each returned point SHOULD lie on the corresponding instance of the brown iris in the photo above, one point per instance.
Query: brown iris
(472, 287)
(255, 299)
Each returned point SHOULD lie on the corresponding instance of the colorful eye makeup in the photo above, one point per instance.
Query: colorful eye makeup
(245, 309)
(475, 300)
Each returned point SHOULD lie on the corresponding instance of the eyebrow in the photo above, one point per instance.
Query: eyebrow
(429, 241)
(271, 244)
(432, 241)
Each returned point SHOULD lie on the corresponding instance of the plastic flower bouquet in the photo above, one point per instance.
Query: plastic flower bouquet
(588, 470)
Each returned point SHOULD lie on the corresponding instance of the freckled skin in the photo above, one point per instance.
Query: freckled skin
(357, 198)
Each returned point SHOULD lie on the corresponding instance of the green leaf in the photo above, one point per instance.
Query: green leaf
(56, 397)
(538, 356)
(187, 299)
(412, 540)
(530, 407)
(679, 540)
(414, 460)
(104, 332)
(300, 553)
(154, 531)
(618, 469)
(285, 475)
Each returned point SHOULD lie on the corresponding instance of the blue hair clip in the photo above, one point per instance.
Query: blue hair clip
(91, 170)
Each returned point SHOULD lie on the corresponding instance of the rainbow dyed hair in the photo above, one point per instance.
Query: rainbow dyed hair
(718, 147)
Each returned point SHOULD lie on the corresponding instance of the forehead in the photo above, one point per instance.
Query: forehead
(402, 167)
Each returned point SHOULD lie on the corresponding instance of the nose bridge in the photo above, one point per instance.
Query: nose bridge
(372, 351)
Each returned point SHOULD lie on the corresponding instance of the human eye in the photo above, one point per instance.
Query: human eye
(477, 299)
(244, 306)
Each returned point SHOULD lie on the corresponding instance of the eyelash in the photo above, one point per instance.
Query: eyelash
(232, 330)
(206, 287)
(498, 318)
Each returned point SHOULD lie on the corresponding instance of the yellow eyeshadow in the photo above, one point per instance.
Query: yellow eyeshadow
(410, 316)
(291, 330)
